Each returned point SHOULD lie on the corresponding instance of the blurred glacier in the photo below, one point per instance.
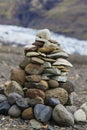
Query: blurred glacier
(15, 35)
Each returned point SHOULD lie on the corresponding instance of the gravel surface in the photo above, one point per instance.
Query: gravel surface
(10, 57)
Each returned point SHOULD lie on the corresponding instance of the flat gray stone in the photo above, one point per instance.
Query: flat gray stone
(53, 71)
(44, 77)
(60, 78)
(61, 61)
(58, 55)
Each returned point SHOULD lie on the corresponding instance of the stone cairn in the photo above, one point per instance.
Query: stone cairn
(39, 88)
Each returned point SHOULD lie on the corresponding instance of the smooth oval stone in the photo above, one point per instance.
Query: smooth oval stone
(53, 83)
(13, 97)
(13, 87)
(34, 69)
(42, 113)
(33, 78)
(68, 86)
(2, 98)
(22, 103)
(80, 116)
(28, 114)
(61, 61)
(31, 54)
(52, 102)
(25, 62)
(37, 60)
(58, 93)
(14, 111)
(84, 107)
(18, 75)
(33, 93)
(62, 117)
(58, 55)
(4, 107)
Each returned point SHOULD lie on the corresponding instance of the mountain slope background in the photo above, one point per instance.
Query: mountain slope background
(68, 17)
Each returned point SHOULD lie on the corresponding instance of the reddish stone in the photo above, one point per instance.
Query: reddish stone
(33, 93)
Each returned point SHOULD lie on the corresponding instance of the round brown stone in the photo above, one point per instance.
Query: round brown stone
(33, 93)
(58, 93)
(18, 75)
(53, 83)
(28, 114)
(44, 83)
(34, 69)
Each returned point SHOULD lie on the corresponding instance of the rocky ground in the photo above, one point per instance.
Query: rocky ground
(11, 56)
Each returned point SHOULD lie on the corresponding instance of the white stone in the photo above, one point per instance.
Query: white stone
(60, 78)
(84, 107)
(44, 34)
(80, 116)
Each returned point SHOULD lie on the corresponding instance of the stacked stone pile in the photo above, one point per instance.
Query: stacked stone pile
(39, 88)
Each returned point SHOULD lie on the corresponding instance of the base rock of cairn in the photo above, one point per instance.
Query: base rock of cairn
(39, 88)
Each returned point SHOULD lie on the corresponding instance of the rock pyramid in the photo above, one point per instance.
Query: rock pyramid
(39, 87)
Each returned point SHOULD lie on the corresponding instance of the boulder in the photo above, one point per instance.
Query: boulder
(80, 116)
(28, 114)
(13, 97)
(13, 87)
(14, 111)
(62, 117)
(42, 113)
(4, 107)
(58, 93)
(18, 75)
(2, 98)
